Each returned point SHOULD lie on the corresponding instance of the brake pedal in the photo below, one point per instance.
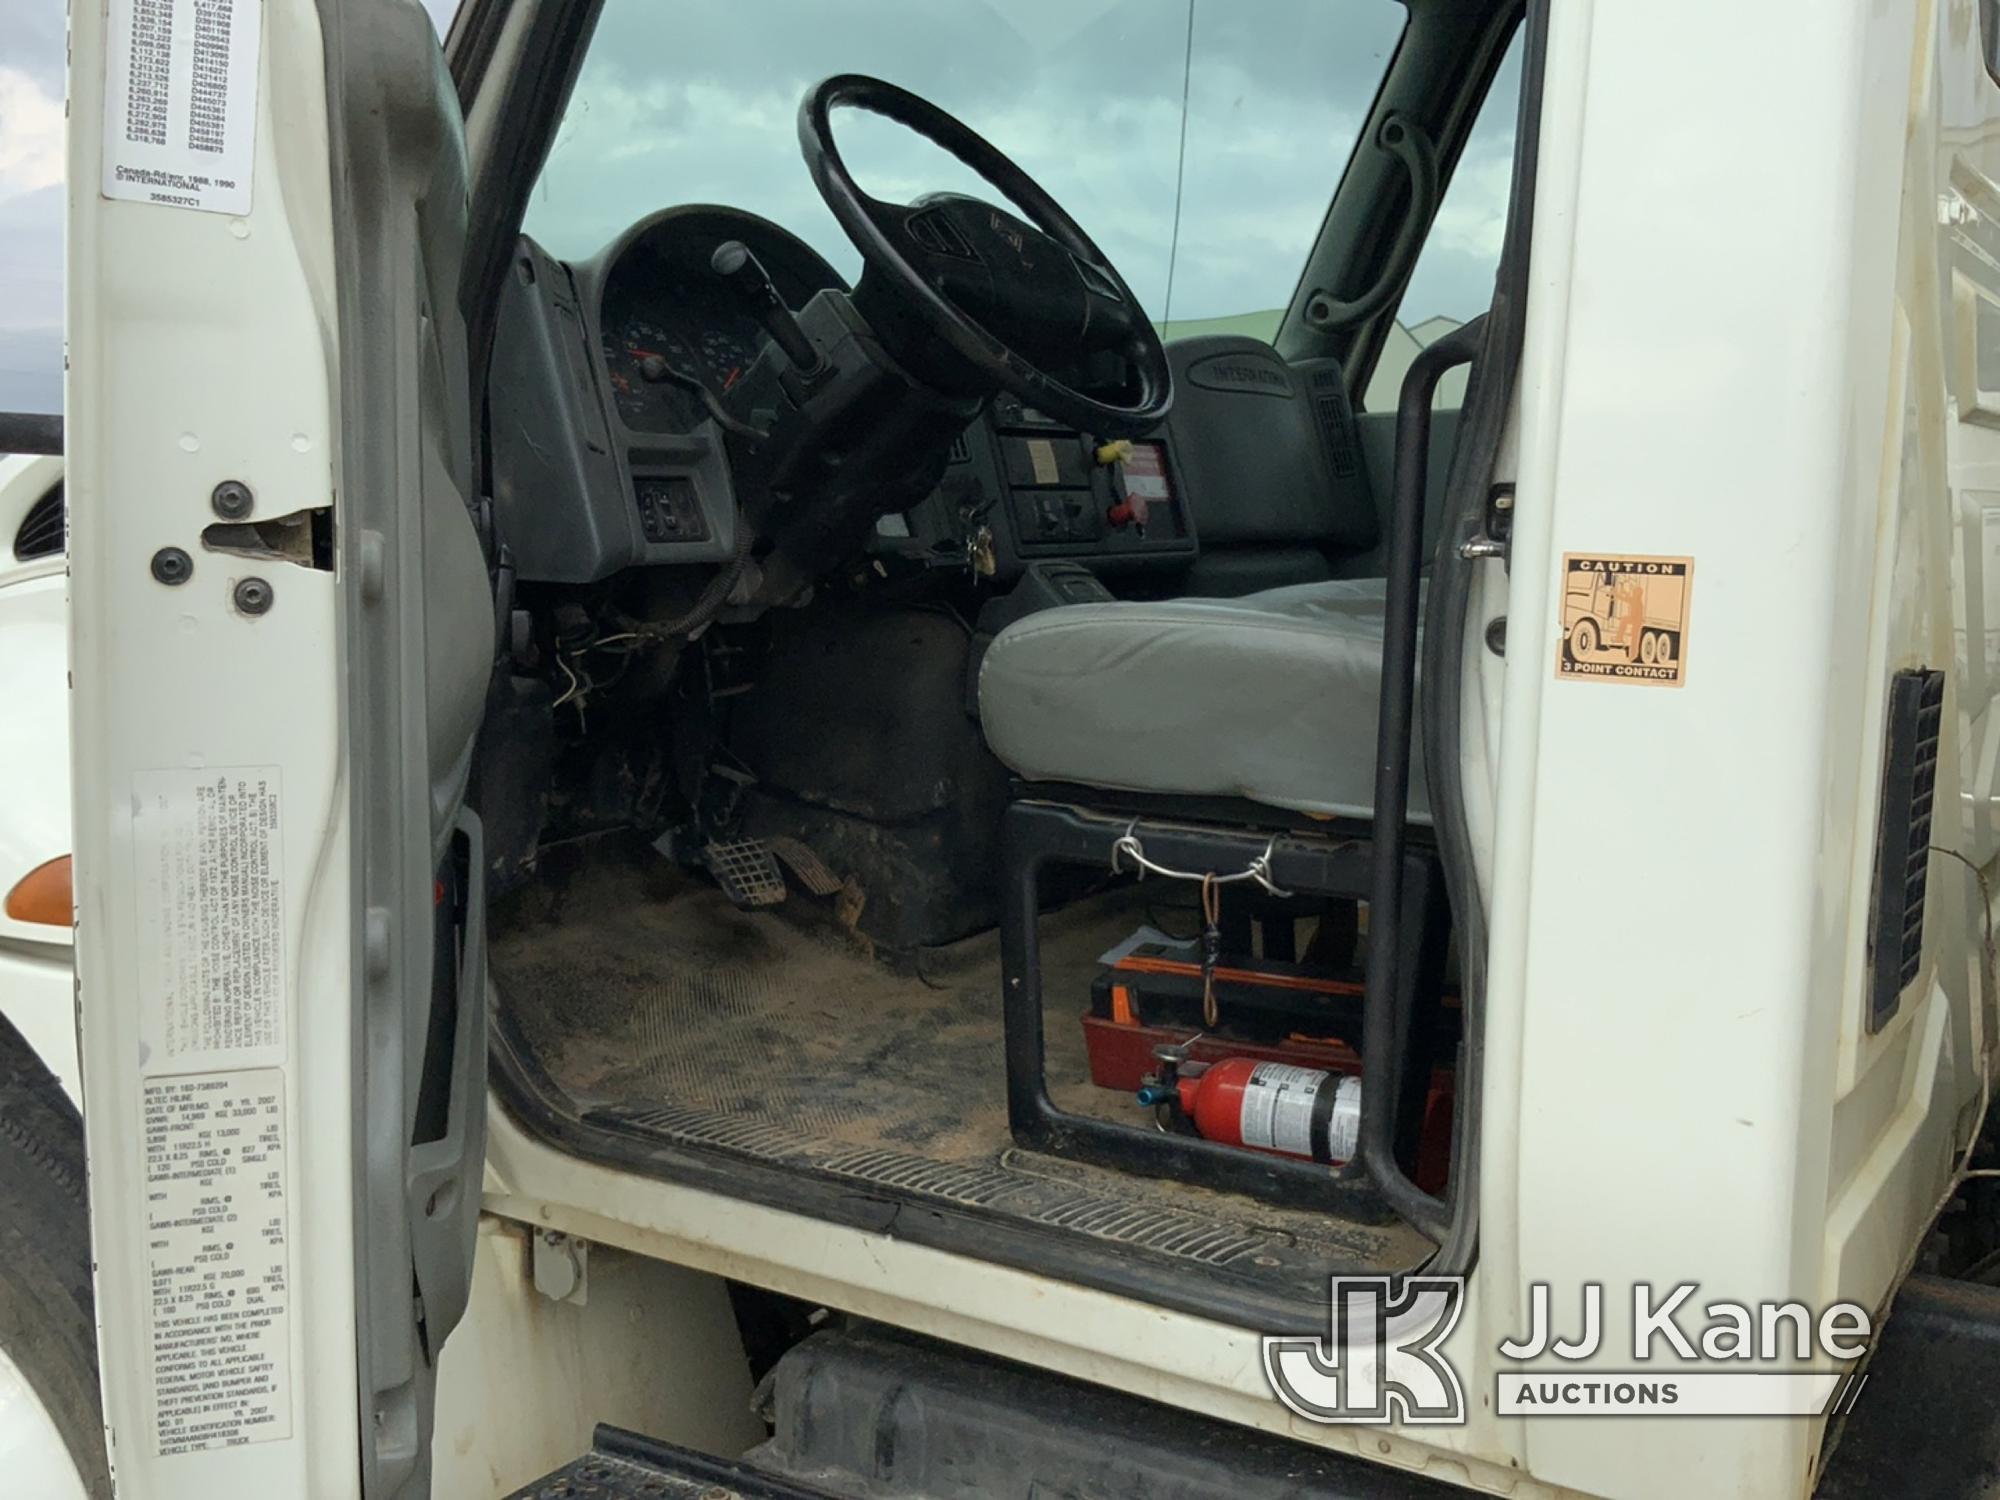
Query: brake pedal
(745, 871)
(808, 867)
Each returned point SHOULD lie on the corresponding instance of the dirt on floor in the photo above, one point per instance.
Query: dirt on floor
(637, 985)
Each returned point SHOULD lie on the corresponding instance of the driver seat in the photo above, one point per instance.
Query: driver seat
(1272, 698)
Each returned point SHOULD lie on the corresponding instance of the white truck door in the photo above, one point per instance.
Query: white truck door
(282, 632)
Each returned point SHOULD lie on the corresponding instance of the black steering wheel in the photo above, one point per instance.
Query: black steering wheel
(964, 266)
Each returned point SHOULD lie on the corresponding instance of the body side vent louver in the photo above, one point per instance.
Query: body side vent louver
(1903, 840)
(1336, 420)
(41, 531)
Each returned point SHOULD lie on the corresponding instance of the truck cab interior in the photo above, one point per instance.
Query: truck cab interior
(970, 489)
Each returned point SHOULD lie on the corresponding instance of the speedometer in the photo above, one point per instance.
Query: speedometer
(641, 359)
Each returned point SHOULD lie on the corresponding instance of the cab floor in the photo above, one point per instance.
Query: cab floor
(656, 1007)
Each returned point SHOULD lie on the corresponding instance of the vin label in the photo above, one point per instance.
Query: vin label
(217, 1226)
(180, 102)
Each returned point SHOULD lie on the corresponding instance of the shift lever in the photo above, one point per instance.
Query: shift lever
(734, 263)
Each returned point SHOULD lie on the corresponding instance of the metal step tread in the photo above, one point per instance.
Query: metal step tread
(627, 1466)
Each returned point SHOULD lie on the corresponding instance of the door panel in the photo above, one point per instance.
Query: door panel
(283, 1048)
(420, 642)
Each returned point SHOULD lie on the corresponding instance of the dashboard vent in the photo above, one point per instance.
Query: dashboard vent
(961, 450)
(1903, 840)
(41, 529)
(1336, 419)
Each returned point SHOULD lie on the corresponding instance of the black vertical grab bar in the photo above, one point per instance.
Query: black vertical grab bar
(1385, 1023)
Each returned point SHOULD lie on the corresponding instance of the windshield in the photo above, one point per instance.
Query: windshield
(1196, 141)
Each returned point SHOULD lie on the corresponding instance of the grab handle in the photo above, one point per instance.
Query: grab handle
(1405, 140)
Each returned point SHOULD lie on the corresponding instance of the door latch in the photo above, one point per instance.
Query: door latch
(1497, 527)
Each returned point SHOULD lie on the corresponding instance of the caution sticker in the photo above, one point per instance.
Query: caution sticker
(1625, 618)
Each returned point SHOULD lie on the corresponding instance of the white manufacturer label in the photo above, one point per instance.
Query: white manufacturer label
(211, 933)
(216, 1230)
(1278, 1107)
(180, 102)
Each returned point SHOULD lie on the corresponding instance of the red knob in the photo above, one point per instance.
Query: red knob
(1124, 513)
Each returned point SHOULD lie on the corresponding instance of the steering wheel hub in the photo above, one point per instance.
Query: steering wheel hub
(1014, 296)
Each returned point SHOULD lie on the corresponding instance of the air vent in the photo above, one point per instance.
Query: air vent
(41, 531)
(1903, 840)
(961, 450)
(1336, 420)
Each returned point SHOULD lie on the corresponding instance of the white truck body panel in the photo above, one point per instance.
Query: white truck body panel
(1679, 1087)
(1745, 361)
(36, 980)
(34, 731)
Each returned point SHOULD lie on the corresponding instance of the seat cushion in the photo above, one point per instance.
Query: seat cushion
(1272, 697)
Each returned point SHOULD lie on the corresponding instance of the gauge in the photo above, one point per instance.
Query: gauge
(672, 329)
(729, 349)
(641, 359)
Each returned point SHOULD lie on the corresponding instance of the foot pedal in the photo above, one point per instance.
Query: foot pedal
(745, 870)
(811, 871)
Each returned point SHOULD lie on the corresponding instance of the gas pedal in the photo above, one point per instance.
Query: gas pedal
(811, 871)
(745, 870)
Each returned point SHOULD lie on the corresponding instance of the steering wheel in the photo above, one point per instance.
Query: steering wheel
(965, 266)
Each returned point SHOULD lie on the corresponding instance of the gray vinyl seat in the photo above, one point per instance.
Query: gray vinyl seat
(1271, 697)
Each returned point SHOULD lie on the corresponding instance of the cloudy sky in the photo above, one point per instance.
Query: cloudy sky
(31, 200)
(31, 171)
(1087, 95)
(682, 101)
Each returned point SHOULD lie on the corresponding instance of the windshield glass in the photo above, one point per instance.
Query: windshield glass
(1197, 141)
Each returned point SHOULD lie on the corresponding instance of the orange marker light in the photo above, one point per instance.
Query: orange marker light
(43, 895)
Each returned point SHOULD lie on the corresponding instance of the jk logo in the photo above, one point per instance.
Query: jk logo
(1383, 1361)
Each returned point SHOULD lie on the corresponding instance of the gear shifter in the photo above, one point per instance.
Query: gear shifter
(735, 264)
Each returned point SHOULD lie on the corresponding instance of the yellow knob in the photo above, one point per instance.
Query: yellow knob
(1114, 453)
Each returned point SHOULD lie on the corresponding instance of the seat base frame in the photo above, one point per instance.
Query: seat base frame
(1310, 860)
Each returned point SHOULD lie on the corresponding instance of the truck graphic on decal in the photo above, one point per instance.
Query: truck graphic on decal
(1625, 618)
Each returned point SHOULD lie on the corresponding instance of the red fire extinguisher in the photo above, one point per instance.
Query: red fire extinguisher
(1266, 1106)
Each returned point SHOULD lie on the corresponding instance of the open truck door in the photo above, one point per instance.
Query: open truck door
(282, 631)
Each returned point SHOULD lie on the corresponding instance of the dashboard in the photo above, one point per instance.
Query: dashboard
(668, 324)
(607, 454)
(611, 419)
